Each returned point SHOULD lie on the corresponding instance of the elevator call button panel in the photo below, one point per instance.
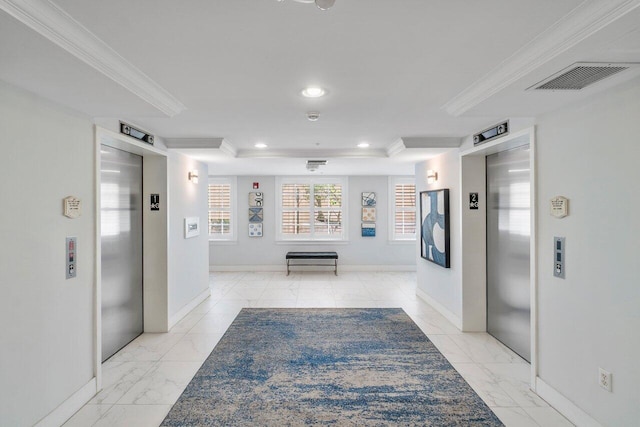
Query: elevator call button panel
(558, 257)
(72, 255)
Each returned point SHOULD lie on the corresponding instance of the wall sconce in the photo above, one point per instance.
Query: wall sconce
(193, 176)
(432, 176)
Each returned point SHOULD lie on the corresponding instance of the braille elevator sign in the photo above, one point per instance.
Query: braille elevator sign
(473, 201)
(155, 202)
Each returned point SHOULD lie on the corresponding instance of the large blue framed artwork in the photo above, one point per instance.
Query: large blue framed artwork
(434, 232)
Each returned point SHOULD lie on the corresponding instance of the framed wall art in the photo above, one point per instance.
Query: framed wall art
(369, 199)
(369, 214)
(434, 231)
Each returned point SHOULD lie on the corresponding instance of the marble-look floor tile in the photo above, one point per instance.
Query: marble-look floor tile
(449, 349)
(316, 303)
(187, 322)
(276, 303)
(489, 391)
(213, 323)
(355, 303)
(514, 417)
(280, 293)
(163, 384)
(88, 415)
(134, 415)
(232, 306)
(483, 348)
(118, 378)
(435, 325)
(514, 379)
(147, 347)
(548, 417)
(246, 291)
(193, 348)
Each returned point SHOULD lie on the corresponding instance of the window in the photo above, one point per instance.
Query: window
(222, 204)
(311, 209)
(402, 208)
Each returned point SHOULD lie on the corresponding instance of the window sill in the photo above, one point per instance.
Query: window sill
(312, 242)
(215, 242)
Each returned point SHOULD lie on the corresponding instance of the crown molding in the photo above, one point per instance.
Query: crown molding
(581, 23)
(396, 148)
(56, 25)
(186, 143)
(228, 149)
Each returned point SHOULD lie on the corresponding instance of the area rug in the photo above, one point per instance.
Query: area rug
(340, 367)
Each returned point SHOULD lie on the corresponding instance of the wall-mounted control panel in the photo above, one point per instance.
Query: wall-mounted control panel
(558, 257)
(72, 255)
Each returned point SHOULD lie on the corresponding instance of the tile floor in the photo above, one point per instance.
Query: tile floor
(143, 380)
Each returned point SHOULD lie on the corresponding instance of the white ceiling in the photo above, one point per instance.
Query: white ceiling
(234, 69)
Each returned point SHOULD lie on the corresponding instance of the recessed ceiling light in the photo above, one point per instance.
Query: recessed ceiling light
(363, 145)
(313, 92)
(260, 145)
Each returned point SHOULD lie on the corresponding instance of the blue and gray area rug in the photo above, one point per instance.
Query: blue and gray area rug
(341, 367)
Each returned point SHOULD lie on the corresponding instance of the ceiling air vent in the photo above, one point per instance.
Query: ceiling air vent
(580, 75)
(313, 165)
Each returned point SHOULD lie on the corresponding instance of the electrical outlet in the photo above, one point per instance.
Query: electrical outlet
(604, 379)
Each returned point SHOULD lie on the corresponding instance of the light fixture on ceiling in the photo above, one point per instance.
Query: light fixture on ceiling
(363, 145)
(322, 4)
(193, 176)
(432, 176)
(313, 116)
(260, 145)
(313, 92)
(325, 4)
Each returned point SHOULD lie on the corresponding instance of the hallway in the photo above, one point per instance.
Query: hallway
(143, 380)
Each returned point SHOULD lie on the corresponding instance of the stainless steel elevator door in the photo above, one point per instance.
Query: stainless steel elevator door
(121, 243)
(508, 237)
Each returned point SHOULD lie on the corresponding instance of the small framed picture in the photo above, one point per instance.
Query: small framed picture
(255, 230)
(368, 199)
(256, 199)
(368, 214)
(255, 215)
(368, 230)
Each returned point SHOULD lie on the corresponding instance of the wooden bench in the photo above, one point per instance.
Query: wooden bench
(313, 256)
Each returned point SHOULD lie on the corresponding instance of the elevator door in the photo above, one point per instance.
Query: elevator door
(508, 236)
(121, 243)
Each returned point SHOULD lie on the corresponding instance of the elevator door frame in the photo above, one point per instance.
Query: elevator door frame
(474, 236)
(154, 238)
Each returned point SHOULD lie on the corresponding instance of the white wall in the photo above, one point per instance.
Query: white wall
(188, 258)
(376, 252)
(589, 153)
(443, 286)
(46, 343)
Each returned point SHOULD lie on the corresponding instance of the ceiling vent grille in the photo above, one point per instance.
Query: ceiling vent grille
(313, 165)
(580, 75)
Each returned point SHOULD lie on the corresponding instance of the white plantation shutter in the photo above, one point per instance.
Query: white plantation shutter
(296, 214)
(404, 210)
(221, 217)
(311, 209)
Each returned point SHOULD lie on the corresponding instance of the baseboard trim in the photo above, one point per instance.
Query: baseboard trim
(451, 317)
(283, 268)
(187, 308)
(563, 405)
(62, 413)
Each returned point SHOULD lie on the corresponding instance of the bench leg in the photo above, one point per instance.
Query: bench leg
(336, 269)
(287, 267)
